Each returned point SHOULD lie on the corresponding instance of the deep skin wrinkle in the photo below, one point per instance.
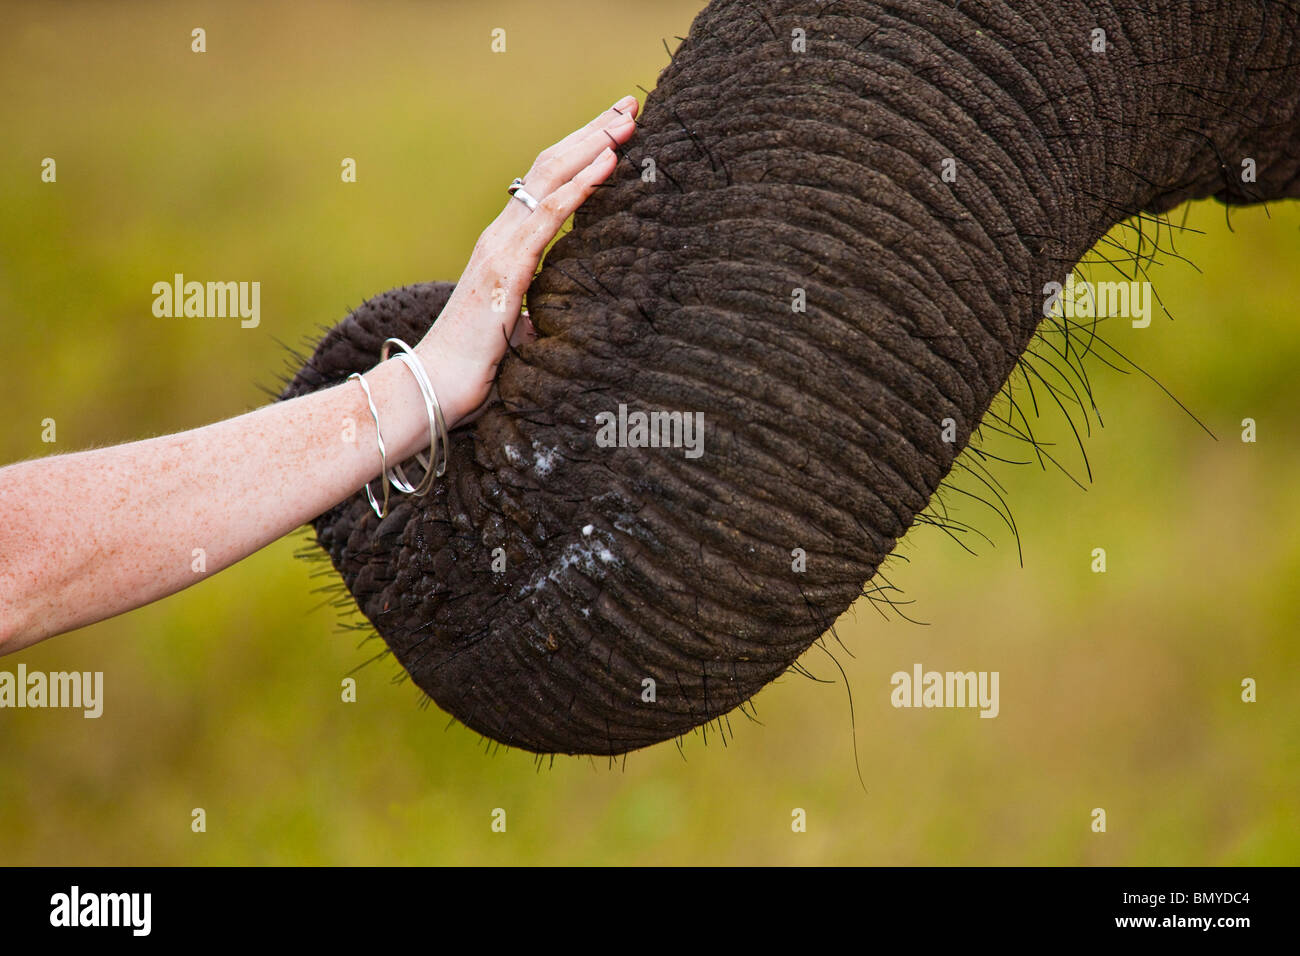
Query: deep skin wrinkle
(778, 171)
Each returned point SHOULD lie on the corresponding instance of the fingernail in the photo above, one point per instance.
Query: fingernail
(624, 103)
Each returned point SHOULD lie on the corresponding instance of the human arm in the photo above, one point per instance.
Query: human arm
(91, 534)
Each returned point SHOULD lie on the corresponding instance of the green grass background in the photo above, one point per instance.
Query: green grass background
(1118, 691)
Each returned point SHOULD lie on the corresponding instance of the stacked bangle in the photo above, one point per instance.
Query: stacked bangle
(383, 454)
(435, 463)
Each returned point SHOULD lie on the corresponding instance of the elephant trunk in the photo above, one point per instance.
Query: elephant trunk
(829, 235)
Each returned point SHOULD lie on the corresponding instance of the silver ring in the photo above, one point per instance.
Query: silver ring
(516, 189)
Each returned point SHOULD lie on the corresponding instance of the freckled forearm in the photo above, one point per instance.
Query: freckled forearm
(92, 534)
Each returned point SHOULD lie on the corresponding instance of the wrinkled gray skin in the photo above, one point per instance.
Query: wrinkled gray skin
(780, 170)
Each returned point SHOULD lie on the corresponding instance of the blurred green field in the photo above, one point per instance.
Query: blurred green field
(1118, 690)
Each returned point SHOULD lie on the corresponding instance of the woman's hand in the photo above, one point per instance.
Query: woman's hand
(95, 533)
(462, 350)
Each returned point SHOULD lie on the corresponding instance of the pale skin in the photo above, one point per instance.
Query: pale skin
(92, 534)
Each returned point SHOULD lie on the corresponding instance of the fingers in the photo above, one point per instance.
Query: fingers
(535, 232)
(500, 274)
(506, 255)
(624, 109)
(557, 170)
(557, 165)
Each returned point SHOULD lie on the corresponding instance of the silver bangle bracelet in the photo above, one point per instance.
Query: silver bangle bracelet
(383, 453)
(435, 464)
(395, 474)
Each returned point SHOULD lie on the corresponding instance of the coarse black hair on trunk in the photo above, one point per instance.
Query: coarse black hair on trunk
(829, 236)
